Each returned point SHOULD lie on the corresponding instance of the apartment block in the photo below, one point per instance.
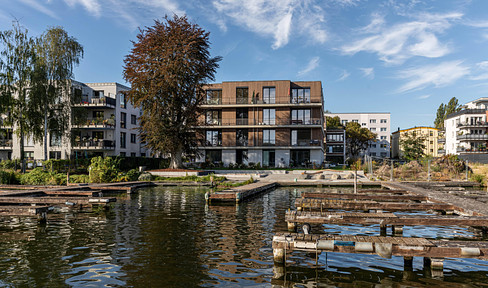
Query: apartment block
(335, 146)
(429, 134)
(274, 123)
(103, 123)
(466, 131)
(378, 123)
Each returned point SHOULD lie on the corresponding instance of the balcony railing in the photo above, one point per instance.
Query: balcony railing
(6, 143)
(251, 101)
(441, 140)
(441, 151)
(471, 150)
(250, 121)
(97, 102)
(96, 123)
(479, 124)
(94, 144)
(473, 137)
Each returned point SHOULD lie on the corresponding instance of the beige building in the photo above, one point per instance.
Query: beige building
(105, 125)
(274, 123)
(430, 142)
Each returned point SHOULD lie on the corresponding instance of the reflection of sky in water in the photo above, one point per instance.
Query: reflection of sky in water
(168, 237)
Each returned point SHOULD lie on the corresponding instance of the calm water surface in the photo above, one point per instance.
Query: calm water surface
(168, 237)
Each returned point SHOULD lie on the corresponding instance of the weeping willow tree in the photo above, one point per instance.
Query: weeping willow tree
(167, 68)
(17, 58)
(57, 53)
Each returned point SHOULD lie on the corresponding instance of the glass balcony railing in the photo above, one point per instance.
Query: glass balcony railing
(96, 123)
(94, 144)
(250, 121)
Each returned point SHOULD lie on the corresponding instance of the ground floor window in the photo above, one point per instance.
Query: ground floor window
(268, 158)
(241, 156)
(300, 158)
(54, 154)
(213, 156)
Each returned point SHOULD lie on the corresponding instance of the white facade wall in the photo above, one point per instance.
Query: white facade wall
(112, 90)
(317, 157)
(228, 157)
(375, 122)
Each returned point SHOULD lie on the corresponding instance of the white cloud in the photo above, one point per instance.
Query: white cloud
(344, 76)
(312, 64)
(424, 96)
(276, 18)
(482, 69)
(396, 43)
(438, 75)
(92, 6)
(477, 24)
(368, 72)
(39, 7)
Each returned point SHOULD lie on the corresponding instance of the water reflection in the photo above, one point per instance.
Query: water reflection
(168, 236)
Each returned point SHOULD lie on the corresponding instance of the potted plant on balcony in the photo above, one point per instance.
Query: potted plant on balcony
(77, 140)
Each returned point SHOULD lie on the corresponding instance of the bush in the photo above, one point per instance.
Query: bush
(39, 176)
(9, 164)
(80, 178)
(145, 177)
(56, 166)
(104, 170)
(478, 178)
(9, 177)
(132, 175)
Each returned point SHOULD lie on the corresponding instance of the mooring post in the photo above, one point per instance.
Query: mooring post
(435, 265)
(397, 229)
(42, 217)
(383, 230)
(279, 249)
(391, 171)
(408, 263)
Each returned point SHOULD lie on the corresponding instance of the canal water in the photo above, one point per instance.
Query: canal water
(168, 237)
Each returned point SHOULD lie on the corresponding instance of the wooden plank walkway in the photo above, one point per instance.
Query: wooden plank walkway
(57, 200)
(311, 203)
(238, 194)
(364, 196)
(384, 219)
(383, 246)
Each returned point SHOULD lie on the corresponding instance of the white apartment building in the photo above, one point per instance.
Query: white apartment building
(378, 123)
(105, 125)
(466, 130)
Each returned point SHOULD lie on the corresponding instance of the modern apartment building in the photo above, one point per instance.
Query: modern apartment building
(466, 131)
(429, 134)
(335, 146)
(274, 123)
(103, 123)
(378, 123)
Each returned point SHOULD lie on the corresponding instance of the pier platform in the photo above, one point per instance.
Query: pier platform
(241, 193)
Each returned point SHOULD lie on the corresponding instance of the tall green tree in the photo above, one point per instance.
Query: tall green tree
(440, 117)
(17, 58)
(357, 139)
(333, 122)
(412, 146)
(167, 68)
(452, 106)
(57, 53)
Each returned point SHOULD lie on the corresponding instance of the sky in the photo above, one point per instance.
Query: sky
(402, 57)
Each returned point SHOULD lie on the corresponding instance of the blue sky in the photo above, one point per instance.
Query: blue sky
(403, 57)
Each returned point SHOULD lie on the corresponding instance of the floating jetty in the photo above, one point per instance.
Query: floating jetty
(238, 194)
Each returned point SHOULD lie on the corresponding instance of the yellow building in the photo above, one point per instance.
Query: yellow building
(430, 134)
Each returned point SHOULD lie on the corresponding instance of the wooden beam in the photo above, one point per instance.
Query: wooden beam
(364, 196)
(363, 205)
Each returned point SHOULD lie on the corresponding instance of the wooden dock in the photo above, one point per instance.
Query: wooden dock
(433, 251)
(313, 203)
(364, 196)
(241, 193)
(382, 219)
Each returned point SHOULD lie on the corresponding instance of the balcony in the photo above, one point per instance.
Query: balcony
(261, 122)
(256, 102)
(441, 152)
(96, 124)
(479, 124)
(441, 140)
(94, 145)
(473, 137)
(102, 102)
(471, 150)
(6, 144)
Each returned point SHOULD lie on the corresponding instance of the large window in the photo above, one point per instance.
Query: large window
(133, 138)
(123, 119)
(133, 119)
(122, 140)
(269, 95)
(300, 137)
(242, 95)
(301, 116)
(300, 95)
(241, 137)
(213, 138)
(213, 156)
(241, 116)
(269, 116)
(335, 137)
(98, 115)
(300, 158)
(213, 117)
(123, 102)
(268, 137)
(214, 97)
(55, 139)
(268, 158)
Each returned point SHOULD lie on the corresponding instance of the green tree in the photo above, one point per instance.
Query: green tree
(57, 54)
(412, 146)
(333, 122)
(452, 106)
(167, 68)
(440, 117)
(17, 57)
(357, 139)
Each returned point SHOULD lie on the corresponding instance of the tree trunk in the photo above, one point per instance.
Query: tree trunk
(45, 132)
(22, 156)
(176, 159)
